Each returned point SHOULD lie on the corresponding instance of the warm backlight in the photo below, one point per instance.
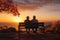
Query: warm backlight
(17, 19)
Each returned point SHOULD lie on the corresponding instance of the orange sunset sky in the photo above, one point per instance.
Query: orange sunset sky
(44, 10)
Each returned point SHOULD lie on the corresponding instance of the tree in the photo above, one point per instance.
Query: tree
(8, 5)
(11, 29)
(58, 26)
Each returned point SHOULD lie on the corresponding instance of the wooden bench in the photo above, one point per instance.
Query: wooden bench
(21, 24)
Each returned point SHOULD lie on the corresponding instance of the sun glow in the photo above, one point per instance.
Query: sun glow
(17, 19)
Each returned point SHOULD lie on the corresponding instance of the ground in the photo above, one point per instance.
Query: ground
(29, 36)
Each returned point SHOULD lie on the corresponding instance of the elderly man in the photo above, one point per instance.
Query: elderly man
(27, 24)
(34, 24)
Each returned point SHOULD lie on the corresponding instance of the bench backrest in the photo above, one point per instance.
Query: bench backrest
(39, 24)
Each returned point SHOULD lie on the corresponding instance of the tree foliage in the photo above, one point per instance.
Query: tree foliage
(8, 5)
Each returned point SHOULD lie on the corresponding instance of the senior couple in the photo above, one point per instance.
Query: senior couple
(31, 24)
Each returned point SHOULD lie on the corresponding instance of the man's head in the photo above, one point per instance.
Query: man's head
(27, 17)
(34, 17)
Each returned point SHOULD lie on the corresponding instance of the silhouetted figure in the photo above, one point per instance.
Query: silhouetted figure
(27, 24)
(34, 24)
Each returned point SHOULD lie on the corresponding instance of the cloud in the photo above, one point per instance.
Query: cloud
(38, 1)
(34, 4)
(50, 8)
